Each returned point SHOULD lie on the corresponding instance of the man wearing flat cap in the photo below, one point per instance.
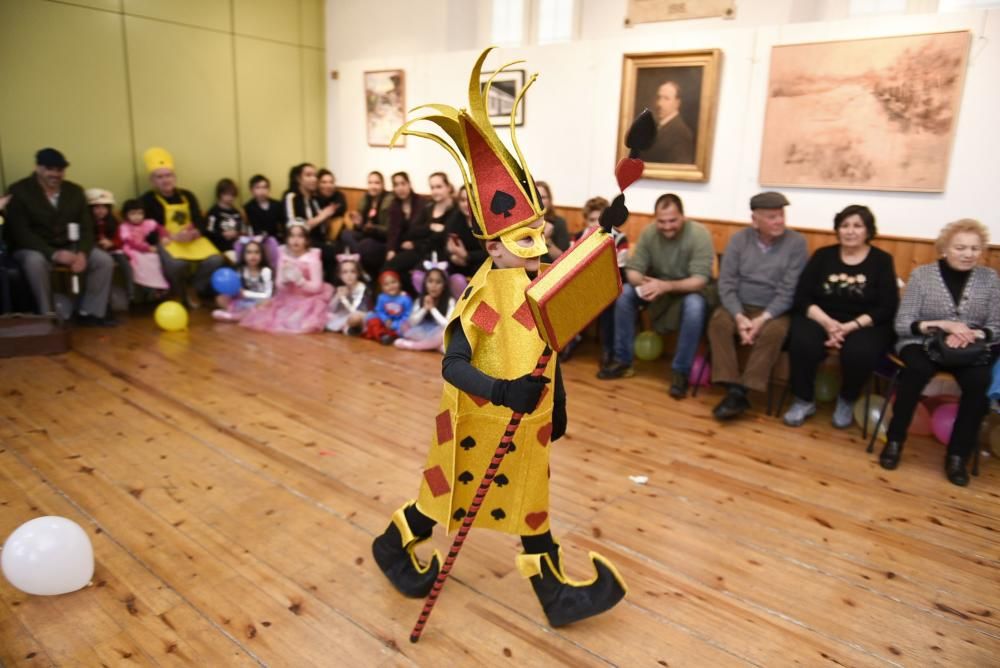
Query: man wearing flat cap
(760, 269)
(42, 208)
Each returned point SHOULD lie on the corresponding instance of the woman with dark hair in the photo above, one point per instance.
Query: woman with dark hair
(427, 233)
(556, 231)
(329, 195)
(845, 301)
(302, 203)
(368, 238)
(955, 303)
(463, 250)
(407, 224)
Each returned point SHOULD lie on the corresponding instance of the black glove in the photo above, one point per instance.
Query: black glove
(521, 395)
(153, 238)
(558, 420)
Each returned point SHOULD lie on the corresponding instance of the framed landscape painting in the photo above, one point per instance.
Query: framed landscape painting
(385, 105)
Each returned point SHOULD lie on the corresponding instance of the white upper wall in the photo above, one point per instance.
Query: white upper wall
(570, 134)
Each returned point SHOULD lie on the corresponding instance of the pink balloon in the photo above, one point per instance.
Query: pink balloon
(943, 420)
(697, 375)
(921, 425)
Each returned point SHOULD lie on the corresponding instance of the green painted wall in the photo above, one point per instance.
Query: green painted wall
(230, 87)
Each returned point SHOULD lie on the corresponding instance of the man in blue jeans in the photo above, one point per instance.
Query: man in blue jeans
(669, 273)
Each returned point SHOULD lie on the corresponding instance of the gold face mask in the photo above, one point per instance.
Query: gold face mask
(536, 249)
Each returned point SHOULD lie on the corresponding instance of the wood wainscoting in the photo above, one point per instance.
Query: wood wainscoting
(906, 251)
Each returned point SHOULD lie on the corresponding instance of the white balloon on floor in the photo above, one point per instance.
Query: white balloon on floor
(47, 556)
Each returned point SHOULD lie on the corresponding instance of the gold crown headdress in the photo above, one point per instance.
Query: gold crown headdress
(502, 193)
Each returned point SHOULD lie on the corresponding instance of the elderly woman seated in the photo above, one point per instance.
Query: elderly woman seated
(950, 312)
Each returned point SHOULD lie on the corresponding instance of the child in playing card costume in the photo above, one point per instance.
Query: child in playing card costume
(491, 345)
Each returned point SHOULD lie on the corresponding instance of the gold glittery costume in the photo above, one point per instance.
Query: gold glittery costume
(496, 319)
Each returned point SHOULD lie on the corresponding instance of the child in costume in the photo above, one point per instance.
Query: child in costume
(425, 328)
(492, 344)
(392, 308)
(140, 238)
(302, 298)
(353, 298)
(224, 221)
(256, 283)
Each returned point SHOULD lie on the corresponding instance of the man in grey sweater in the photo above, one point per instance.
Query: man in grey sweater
(760, 269)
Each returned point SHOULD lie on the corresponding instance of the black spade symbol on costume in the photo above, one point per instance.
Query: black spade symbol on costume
(502, 203)
(498, 514)
(465, 478)
(459, 514)
(468, 443)
(501, 480)
(468, 291)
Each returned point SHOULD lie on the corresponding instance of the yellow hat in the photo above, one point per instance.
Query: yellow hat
(157, 158)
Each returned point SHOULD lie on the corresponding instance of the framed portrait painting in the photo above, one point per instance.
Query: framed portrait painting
(681, 89)
(385, 105)
(503, 92)
(868, 114)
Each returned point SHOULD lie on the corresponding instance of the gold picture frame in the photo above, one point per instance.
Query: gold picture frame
(683, 87)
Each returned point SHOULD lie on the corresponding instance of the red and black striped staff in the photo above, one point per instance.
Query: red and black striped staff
(477, 501)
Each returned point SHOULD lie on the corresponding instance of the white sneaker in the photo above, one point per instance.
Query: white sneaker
(798, 413)
(843, 414)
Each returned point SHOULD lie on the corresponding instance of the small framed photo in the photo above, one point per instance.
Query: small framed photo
(681, 89)
(385, 105)
(500, 100)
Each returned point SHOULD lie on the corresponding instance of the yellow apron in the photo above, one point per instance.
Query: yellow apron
(175, 218)
(496, 319)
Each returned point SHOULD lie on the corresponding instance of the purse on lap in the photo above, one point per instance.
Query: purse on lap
(939, 352)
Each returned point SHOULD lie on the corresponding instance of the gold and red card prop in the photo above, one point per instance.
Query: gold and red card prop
(574, 290)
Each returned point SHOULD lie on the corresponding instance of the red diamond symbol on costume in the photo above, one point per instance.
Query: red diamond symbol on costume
(485, 317)
(444, 431)
(478, 401)
(523, 316)
(436, 481)
(545, 433)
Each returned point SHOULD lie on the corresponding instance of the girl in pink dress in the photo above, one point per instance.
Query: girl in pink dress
(140, 237)
(302, 298)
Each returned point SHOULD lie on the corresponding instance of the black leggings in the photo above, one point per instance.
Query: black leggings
(860, 353)
(972, 407)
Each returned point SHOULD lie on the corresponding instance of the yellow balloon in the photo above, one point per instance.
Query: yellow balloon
(171, 316)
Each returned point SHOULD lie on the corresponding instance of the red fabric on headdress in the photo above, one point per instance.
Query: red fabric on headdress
(491, 176)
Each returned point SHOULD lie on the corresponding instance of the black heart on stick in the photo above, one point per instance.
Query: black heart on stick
(641, 134)
(465, 478)
(502, 203)
(615, 215)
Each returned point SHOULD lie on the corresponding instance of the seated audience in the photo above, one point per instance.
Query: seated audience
(955, 302)
(845, 301)
(760, 269)
(329, 195)
(556, 231)
(224, 223)
(187, 252)
(668, 272)
(141, 238)
(39, 215)
(256, 283)
(441, 216)
(301, 298)
(369, 238)
(302, 203)
(353, 299)
(464, 251)
(408, 230)
(266, 217)
(425, 328)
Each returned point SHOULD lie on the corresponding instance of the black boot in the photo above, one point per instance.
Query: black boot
(954, 468)
(395, 554)
(565, 601)
(889, 459)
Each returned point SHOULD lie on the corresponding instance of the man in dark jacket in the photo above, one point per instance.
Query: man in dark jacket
(41, 211)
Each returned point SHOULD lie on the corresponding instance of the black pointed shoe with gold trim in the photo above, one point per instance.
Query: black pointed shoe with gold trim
(565, 601)
(395, 553)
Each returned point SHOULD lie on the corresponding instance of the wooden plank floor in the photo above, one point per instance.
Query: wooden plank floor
(231, 483)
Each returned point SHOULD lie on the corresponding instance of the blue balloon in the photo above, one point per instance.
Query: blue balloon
(225, 281)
